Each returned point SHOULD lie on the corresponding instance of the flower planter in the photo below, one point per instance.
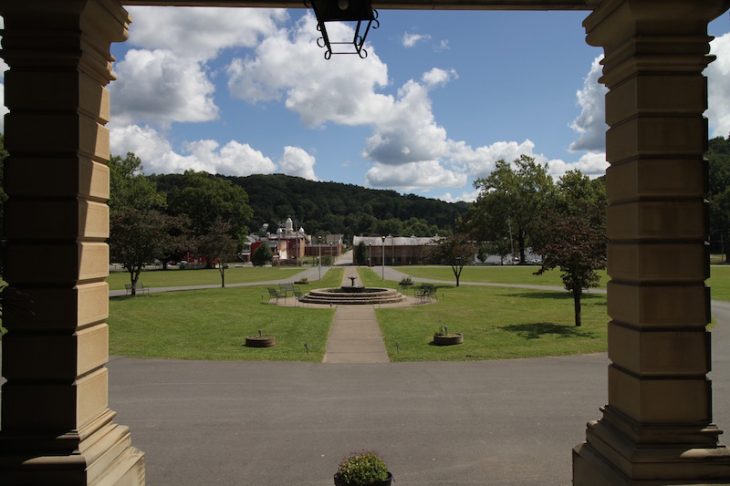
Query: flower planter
(260, 341)
(387, 482)
(448, 339)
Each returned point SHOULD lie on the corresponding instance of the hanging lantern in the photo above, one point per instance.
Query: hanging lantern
(359, 12)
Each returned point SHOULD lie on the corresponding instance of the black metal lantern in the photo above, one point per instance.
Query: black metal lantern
(360, 12)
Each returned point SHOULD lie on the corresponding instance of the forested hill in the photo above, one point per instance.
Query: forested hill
(332, 207)
(345, 208)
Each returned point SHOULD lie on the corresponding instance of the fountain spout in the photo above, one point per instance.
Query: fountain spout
(352, 279)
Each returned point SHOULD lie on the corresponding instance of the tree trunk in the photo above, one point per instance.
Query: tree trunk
(134, 277)
(521, 243)
(576, 304)
(223, 276)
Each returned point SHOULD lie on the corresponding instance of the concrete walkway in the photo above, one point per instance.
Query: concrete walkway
(355, 335)
(311, 274)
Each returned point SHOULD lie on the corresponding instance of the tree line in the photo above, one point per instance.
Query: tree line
(335, 208)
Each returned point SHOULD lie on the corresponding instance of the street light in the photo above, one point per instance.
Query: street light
(382, 272)
(319, 245)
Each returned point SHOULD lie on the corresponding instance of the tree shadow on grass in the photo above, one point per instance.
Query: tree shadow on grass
(538, 329)
(556, 295)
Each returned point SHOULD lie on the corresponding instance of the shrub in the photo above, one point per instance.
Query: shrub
(262, 256)
(362, 469)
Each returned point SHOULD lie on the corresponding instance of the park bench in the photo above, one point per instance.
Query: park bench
(141, 289)
(426, 292)
(287, 288)
(275, 294)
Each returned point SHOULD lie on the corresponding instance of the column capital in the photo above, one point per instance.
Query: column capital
(612, 21)
(652, 35)
(62, 33)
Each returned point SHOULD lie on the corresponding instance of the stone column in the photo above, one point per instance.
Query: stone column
(657, 427)
(56, 424)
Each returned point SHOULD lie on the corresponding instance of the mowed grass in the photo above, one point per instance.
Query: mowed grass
(497, 324)
(719, 282)
(212, 325)
(508, 274)
(176, 278)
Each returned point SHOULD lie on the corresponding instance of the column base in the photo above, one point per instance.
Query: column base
(104, 457)
(611, 457)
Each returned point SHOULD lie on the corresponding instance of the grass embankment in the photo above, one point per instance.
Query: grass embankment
(497, 323)
(177, 278)
(212, 325)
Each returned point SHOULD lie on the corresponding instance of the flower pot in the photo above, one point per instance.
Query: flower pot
(260, 341)
(387, 482)
(448, 339)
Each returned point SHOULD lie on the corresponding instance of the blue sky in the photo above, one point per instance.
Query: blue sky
(440, 98)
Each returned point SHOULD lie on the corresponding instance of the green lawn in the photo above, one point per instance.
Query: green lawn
(510, 274)
(719, 282)
(497, 323)
(212, 325)
(174, 278)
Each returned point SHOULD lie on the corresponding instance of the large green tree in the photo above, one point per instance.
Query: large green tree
(455, 250)
(137, 238)
(218, 247)
(205, 199)
(139, 230)
(511, 201)
(718, 156)
(129, 188)
(573, 235)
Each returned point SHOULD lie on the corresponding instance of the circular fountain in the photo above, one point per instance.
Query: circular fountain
(352, 295)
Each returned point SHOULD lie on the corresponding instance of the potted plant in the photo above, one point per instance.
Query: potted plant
(442, 337)
(363, 469)
(260, 341)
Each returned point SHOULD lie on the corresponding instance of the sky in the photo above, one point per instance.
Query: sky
(440, 98)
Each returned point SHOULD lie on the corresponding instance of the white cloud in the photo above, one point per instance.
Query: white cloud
(297, 162)
(407, 132)
(718, 87)
(159, 87)
(480, 162)
(438, 77)
(466, 196)
(443, 45)
(590, 124)
(411, 39)
(292, 67)
(414, 175)
(201, 33)
(592, 164)
(157, 155)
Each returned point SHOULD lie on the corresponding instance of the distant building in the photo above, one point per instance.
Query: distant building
(285, 244)
(398, 250)
(330, 245)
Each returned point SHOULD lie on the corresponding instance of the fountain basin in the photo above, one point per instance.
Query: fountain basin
(353, 296)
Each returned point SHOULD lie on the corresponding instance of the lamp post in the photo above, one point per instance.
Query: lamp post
(319, 260)
(382, 271)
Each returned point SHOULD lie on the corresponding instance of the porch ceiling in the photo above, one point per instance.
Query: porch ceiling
(390, 4)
